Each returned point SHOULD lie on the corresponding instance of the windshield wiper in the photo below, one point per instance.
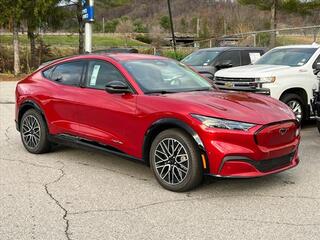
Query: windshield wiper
(199, 89)
(159, 91)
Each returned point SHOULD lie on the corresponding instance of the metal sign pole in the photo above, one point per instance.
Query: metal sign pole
(88, 16)
(88, 37)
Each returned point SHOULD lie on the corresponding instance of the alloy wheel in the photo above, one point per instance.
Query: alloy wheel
(296, 108)
(31, 131)
(171, 161)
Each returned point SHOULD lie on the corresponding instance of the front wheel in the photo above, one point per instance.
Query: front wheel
(175, 161)
(297, 105)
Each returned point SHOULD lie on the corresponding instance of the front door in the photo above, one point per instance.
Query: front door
(102, 116)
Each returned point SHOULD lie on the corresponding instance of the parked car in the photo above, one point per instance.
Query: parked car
(159, 111)
(284, 73)
(316, 94)
(209, 60)
(117, 50)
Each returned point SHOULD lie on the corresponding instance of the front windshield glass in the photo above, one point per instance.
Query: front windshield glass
(201, 58)
(165, 76)
(287, 56)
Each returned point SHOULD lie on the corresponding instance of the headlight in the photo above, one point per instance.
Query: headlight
(223, 123)
(265, 79)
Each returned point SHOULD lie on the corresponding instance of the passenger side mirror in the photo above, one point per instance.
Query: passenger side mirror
(117, 87)
(224, 64)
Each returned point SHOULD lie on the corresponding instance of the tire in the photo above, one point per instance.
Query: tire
(294, 101)
(182, 171)
(34, 132)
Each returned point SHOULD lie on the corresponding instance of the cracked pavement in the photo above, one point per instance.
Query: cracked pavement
(77, 194)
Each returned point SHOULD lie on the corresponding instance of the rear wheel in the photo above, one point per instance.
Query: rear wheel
(33, 131)
(175, 161)
(297, 105)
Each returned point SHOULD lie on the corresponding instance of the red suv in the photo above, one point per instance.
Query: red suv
(159, 111)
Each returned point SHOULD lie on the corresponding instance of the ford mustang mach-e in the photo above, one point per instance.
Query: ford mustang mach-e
(159, 111)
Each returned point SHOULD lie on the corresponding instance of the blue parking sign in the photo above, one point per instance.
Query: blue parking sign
(87, 11)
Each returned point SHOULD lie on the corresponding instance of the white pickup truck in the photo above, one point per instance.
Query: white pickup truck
(285, 73)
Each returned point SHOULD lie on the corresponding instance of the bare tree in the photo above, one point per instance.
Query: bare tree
(156, 34)
(125, 27)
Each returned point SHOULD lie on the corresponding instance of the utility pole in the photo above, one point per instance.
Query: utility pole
(88, 17)
(172, 29)
(103, 24)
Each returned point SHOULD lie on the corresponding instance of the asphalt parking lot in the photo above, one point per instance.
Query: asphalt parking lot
(77, 194)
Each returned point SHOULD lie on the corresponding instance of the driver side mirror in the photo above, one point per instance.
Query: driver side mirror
(224, 64)
(117, 87)
(316, 68)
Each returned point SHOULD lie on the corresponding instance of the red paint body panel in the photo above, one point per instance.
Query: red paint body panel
(122, 120)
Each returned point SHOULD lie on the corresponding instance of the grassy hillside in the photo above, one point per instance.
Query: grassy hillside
(72, 40)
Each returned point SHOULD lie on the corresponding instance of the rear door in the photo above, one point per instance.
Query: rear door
(102, 116)
(63, 93)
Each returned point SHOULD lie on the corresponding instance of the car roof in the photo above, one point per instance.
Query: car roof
(115, 56)
(314, 45)
(132, 56)
(221, 49)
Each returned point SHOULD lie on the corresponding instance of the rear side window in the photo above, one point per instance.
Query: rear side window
(100, 73)
(47, 73)
(233, 56)
(248, 57)
(69, 73)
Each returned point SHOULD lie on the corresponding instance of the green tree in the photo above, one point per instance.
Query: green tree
(139, 27)
(165, 22)
(111, 25)
(11, 17)
(40, 14)
(293, 6)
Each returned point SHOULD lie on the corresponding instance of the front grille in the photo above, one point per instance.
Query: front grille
(225, 79)
(242, 84)
(276, 134)
(274, 163)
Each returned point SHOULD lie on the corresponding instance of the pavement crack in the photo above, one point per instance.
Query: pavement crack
(7, 102)
(189, 199)
(27, 163)
(50, 194)
(6, 133)
(266, 222)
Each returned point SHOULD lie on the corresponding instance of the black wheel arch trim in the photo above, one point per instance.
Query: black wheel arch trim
(32, 104)
(165, 123)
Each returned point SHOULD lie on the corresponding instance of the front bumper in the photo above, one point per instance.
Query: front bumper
(240, 167)
(237, 154)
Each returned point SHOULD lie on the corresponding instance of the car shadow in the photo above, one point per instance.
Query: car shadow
(139, 170)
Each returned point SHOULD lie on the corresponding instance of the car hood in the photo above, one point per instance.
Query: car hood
(252, 71)
(245, 107)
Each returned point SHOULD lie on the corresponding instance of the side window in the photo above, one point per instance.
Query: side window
(47, 73)
(233, 56)
(100, 73)
(68, 73)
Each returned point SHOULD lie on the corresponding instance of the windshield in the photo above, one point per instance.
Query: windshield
(201, 58)
(165, 76)
(288, 56)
